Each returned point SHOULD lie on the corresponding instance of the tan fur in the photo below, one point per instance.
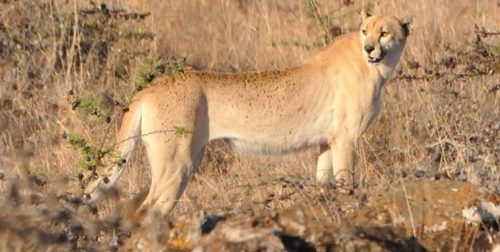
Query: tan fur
(329, 102)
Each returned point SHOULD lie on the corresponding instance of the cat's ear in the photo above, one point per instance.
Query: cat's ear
(365, 14)
(405, 23)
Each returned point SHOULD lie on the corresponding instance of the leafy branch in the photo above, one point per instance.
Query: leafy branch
(102, 154)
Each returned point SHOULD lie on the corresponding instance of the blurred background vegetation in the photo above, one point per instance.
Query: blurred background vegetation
(69, 68)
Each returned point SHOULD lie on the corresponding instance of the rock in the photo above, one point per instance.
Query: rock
(433, 213)
(420, 216)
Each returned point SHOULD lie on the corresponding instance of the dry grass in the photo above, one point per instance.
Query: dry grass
(440, 115)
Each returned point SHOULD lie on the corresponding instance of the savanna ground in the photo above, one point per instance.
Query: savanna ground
(69, 68)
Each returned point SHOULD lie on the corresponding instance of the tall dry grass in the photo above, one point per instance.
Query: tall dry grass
(440, 116)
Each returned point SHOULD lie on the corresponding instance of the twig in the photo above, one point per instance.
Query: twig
(440, 142)
(409, 211)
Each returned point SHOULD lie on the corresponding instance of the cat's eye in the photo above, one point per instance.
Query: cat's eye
(384, 34)
(364, 32)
